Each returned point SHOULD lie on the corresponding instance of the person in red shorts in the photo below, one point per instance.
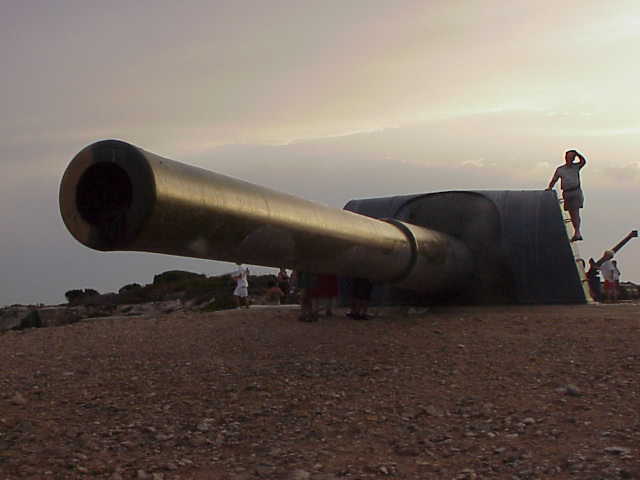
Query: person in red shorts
(611, 275)
(323, 293)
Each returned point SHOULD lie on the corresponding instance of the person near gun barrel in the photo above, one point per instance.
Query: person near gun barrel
(569, 175)
(611, 274)
(241, 292)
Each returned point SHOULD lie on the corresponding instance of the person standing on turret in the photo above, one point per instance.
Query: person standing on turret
(569, 175)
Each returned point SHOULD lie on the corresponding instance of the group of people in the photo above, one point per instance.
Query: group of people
(317, 293)
(277, 290)
(610, 273)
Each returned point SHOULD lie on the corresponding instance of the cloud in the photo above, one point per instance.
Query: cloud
(478, 163)
(327, 100)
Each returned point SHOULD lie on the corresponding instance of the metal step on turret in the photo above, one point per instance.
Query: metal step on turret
(580, 262)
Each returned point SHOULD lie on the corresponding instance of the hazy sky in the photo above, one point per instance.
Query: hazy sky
(328, 100)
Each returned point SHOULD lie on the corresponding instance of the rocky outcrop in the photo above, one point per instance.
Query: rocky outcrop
(170, 292)
(150, 308)
(12, 317)
(57, 316)
(23, 317)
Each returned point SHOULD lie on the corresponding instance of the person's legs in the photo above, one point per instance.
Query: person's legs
(597, 290)
(328, 305)
(305, 305)
(364, 294)
(356, 308)
(364, 308)
(574, 213)
(316, 305)
(573, 202)
(594, 288)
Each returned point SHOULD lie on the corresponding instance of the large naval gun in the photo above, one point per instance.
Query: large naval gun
(466, 247)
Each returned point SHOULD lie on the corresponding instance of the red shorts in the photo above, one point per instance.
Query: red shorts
(610, 285)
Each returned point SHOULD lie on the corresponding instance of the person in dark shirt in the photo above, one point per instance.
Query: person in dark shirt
(593, 278)
(360, 297)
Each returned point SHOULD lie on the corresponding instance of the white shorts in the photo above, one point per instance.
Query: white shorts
(241, 292)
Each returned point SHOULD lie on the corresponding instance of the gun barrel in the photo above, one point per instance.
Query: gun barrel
(116, 196)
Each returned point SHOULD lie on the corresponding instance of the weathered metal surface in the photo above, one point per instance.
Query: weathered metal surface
(520, 249)
(115, 196)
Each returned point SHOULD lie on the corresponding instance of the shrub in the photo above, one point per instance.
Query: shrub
(74, 295)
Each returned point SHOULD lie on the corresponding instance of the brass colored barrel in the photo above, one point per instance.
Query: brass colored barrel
(115, 196)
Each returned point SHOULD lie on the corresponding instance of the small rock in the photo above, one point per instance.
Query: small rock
(407, 451)
(203, 426)
(618, 450)
(299, 475)
(529, 421)
(433, 411)
(573, 391)
(467, 474)
(240, 476)
(264, 470)
(197, 440)
(18, 399)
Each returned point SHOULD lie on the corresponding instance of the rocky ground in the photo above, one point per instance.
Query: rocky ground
(548, 392)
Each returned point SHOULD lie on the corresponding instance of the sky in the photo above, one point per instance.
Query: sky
(327, 100)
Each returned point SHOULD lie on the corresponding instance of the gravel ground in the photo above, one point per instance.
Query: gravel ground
(544, 392)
